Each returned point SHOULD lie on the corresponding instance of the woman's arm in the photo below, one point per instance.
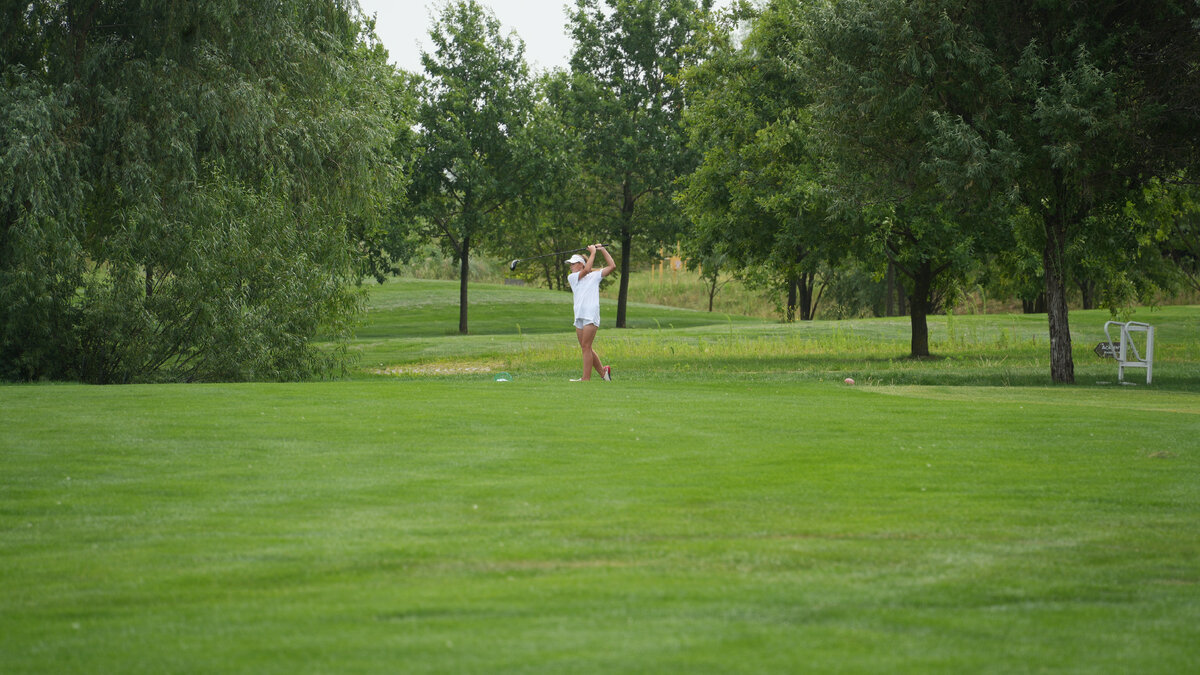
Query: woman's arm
(587, 266)
(611, 266)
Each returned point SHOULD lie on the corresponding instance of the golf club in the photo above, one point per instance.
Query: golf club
(513, 265)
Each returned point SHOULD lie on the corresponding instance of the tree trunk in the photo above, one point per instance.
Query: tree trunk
(1087, 289)
(464, 271)
(789, 312)
(1062, 363)
(1036, 305)
(891, 290)
(80, 27)
(808, 283)
(918, 304)
(626, 250)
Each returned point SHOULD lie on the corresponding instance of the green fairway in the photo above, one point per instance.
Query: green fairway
(726, 505)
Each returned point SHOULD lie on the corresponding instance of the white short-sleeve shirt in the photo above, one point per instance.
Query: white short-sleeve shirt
(587, 297)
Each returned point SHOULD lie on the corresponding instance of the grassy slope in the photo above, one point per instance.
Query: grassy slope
(728, 511)
(410, 320)
(528, 332)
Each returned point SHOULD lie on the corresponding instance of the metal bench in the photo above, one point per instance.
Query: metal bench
(1125, 351)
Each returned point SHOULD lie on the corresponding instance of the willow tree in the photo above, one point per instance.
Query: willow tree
(627, 101)
(176, 184)
(476, 152)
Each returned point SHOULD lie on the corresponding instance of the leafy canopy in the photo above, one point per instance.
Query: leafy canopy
(178, 187)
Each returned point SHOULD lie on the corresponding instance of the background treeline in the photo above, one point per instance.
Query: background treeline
(195, 191)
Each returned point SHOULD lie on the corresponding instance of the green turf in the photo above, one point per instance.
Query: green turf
(730, 510)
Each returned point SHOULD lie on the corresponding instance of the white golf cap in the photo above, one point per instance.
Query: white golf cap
(576, 258)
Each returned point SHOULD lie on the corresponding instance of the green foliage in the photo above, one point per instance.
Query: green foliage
(430, 261)
(756, 196)
(1017, 272)
(1092, 111)
(184, 188)
(193, 191)
(41, 203)
(1172, 207)
(889, 82)
(852, 291)
(478, 151)
(553, 217)
(258, 291)
(386, 234)
(962, 115)
(629, 99)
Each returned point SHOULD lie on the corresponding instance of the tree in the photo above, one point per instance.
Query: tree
(553, 217)
(627, 102)
(755, 197)
(177, 184)
(391, 238)
(882, 76)
(709, 267)
(42, 260)
(1094, 100)
(476, 153)
(1175, 208)
(1016, 272)
(1052, 111)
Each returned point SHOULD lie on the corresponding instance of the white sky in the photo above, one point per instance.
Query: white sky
(403, 27)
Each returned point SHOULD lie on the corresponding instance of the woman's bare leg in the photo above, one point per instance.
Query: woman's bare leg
(590, 358)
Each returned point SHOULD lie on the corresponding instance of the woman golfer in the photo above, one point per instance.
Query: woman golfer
(585, 284)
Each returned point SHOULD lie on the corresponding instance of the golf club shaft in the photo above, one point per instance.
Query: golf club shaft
(513, 264)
